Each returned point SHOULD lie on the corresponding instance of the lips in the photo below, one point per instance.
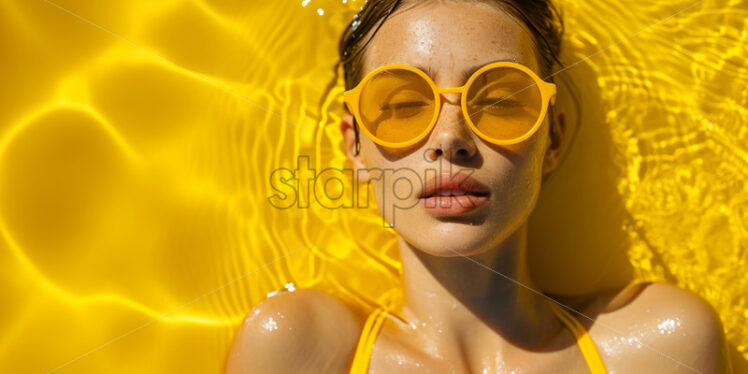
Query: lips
(453, 194)
(446, 184)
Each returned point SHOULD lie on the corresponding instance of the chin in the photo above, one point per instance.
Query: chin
(449, 239)
(441, 252)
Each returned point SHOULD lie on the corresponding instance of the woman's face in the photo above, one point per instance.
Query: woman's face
(452, 38)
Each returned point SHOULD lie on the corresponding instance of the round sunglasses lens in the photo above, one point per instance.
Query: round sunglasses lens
(397, 105)
(504, 103)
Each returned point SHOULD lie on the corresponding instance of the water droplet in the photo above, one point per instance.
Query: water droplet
(270, 324)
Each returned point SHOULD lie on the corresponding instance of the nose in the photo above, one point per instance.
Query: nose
(452, 137)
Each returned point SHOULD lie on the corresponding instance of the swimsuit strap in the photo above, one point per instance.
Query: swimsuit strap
(366, 341)
(586, 345)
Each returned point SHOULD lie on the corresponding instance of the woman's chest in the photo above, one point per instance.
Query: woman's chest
(395, 354)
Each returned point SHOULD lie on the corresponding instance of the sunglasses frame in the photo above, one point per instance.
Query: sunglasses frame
(351, 98)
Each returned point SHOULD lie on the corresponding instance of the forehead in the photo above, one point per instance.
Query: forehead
(449, 37)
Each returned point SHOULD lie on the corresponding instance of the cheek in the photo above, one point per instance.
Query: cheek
(395, 182)
(528, 172)
(528, 155)
(515, 171)
(396, 187)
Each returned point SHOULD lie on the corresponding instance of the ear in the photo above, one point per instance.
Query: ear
(556, 143)
(349, 136)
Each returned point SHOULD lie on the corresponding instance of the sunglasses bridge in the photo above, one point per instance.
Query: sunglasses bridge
(459, 90)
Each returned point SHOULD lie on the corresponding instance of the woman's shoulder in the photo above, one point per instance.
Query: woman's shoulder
(659, 325)
(296, 332)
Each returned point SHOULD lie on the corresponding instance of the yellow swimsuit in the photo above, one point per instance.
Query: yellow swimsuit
(376, 319)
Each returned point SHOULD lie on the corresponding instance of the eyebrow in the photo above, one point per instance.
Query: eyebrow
(467, 72)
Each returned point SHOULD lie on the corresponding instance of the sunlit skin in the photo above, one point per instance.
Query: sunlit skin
(463, 317)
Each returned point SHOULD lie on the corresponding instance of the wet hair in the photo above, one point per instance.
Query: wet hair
(540, 16)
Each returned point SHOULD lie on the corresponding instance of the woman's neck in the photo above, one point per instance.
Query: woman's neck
(459, 297)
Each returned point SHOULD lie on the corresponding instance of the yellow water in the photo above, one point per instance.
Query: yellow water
(138, 140)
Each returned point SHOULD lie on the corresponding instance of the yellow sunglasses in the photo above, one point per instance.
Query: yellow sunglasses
(397, 105)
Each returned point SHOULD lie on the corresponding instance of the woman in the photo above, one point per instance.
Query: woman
(466, 168)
